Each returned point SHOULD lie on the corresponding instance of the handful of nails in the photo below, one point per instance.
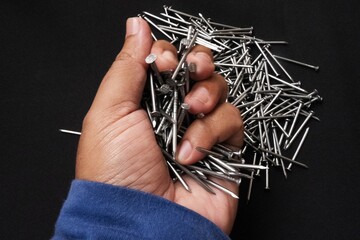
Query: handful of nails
(274, 107)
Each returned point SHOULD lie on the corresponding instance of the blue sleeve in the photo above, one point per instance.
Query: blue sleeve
(101, 211)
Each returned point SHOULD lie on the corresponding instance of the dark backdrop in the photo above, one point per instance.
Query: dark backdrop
(53, 55)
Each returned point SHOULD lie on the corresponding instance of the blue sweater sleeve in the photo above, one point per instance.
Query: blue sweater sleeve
(101, 211)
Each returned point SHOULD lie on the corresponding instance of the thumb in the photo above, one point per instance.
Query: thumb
(123, 84)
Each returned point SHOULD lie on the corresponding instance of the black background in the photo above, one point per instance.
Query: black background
(53, 55)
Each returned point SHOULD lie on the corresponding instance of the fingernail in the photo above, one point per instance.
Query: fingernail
(132, 26)
(203, 57)
(201, 94)
(168, 56)
(184, 151)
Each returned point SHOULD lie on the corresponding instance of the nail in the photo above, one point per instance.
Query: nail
(188, 172)
(155, 112)
(150, 59)
(277, 62)
(225, 190)
(299, 147)
(174, 125)
(231, 65)
(182, 60)
(267, 176)
(161, 19)
(288, 84)
(182, 181)
(198, 180)
(132, 26)
(175, 19)
(273, 100)
(222, 164)
(200, 95)
(70, 132)
(167, 111)
(264, 55)
(316, 68)
(184, 108)
(214, 174)
(247, 166)
(169, 8)
(288, 143)
(208, 152)
(283, 157)
(192, 67)
(156, 26)
(295, 119)
(252, 175)
(184, 151)
(217, 167)
(206, 21)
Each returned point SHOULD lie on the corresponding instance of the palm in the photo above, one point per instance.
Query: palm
(219, 208)
(139, 164)
(151, 177)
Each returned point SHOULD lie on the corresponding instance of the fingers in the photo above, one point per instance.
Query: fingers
(203, 59)
(206, 94)
(122, 86)
(166, 55)
(223, 124)
(210, 88)
(200, 56)
(222, 121)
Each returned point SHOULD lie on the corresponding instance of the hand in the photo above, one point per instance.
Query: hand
(118, 146)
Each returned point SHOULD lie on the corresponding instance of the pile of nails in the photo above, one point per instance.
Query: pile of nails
(274, 107)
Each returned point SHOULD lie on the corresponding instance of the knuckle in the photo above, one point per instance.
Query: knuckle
(221, 86)
(221, 81)
(123, 62)
(123, 55)
(205, 125)
(235, 115)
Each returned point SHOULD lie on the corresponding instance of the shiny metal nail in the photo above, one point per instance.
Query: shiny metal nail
(182, 181)
(288, 143)
(316, 68)
(159, 29)
(155, 111)
(299, 147)
(70, 132)
(174, 125)
(184, 108)
(150, 59)
(277, 62)
(221, 188)
(182, 60)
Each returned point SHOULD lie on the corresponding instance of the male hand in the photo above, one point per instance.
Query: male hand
(118, 146)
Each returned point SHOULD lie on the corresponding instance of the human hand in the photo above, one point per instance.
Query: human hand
(117, 145)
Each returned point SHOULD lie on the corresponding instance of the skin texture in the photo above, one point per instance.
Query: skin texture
(118, 146)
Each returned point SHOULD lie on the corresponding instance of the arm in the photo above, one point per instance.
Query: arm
(118, 147)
